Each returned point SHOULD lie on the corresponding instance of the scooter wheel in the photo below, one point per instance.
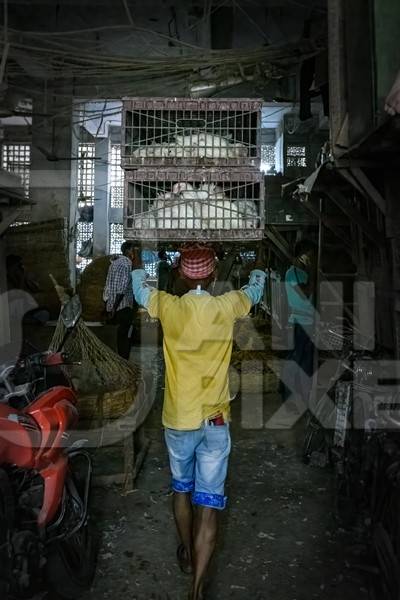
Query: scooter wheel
(71, 565)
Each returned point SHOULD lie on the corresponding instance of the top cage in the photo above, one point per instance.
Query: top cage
(203, 132)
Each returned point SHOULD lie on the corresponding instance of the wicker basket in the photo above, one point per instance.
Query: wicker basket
(117, 404)
(88, 406)
(106, 406)
(91, 288)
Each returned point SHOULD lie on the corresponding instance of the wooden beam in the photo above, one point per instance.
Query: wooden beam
(359, 67)
(278, 241)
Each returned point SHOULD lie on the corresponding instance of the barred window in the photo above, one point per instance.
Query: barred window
(116, 177)
(296, 156)
(116, 237)
(86, 155)
(268, 158)
(85, 193)
(16, 158)
(84, 232)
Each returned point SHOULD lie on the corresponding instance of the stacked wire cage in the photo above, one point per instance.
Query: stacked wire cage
(192, 169)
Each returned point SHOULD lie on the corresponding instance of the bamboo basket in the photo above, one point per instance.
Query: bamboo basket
(91, 288)
(107, 406)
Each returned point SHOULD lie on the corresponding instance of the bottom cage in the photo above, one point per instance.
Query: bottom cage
(193, 204)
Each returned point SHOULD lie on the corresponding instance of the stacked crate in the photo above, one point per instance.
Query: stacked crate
(192, 169)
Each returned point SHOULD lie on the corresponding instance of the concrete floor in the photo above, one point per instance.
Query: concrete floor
(277, 539)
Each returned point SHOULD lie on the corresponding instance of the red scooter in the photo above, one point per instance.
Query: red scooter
(45, 542)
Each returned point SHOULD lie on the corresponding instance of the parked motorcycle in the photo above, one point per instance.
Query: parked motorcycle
(45, 541)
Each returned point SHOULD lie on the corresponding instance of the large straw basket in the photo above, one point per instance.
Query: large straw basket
(91, 288)
(106, 405)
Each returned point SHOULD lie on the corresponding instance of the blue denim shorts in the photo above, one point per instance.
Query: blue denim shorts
(199, 463)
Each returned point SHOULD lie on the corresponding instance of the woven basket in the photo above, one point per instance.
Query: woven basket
(105, 405)
(91, 288)
(43, 248)
(117, 404)
(88, 407)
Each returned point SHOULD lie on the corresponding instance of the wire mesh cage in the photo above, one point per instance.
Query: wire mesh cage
(194, 204)
(203, 132)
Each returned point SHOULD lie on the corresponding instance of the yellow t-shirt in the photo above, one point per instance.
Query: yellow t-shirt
(198, 337)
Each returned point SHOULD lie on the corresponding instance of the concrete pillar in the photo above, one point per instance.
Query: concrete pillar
(101, 204)
(73, 197)
(51, 157)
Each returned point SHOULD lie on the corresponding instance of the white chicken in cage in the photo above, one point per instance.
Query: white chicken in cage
(152, 150)
(207, 145)
(186, 191)
(213, 191)
(195, 145)
(178, 209)
(145, 222)
(181, 215)
(219, 212)
(237, 150)
(249, 212)
(202, 207)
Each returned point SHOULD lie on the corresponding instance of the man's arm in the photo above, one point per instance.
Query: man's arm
(141, 289)
(255, 288)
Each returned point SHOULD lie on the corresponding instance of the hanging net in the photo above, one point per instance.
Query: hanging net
(100, 369)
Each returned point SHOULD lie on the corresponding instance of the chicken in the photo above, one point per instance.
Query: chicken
(220, 214)
(237, 150)
(145, 222)
(249, 213)
(214, 191)
(207, 145)
(196, 145)
(181, 187)
(180, 215)
(153, 151)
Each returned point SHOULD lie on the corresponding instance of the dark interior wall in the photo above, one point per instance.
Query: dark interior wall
(386, 19)
(222, 23)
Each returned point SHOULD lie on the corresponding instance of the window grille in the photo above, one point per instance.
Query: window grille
(116, 237)
(116, 175)
(85, 192)
(268, 159)
(296, 156)
(84, 231)
(86, 154)
(16, 158)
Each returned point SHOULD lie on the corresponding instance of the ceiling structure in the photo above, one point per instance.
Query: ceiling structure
(111, 48)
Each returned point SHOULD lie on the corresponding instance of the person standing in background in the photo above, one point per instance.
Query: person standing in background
(118, 296)
(300, 287)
